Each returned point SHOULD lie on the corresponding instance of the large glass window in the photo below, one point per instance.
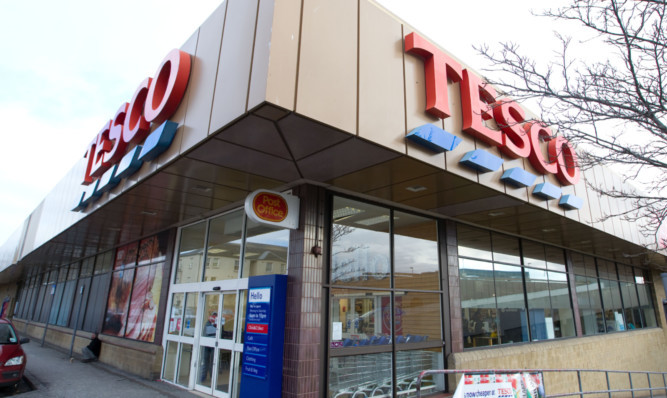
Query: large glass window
(385, 300)
(265, 250)
(224, 247)
(588, 294)
(511, 291)
(611, 296)
(136, 285)
(360, 249)
(212, 250)
(191, 253)
(645, 301)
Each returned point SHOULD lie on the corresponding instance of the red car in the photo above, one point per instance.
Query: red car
(12, 357)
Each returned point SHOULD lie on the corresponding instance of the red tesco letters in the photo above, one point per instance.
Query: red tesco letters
(516, 137)
(155, 100)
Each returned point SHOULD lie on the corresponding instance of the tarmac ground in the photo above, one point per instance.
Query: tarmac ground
(50, 373)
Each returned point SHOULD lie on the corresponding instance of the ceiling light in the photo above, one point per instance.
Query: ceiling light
(202, 188)
(374, 220)
(548, 229)
(496, 213)
(416, 188)
(148, 213)
(345, 212)
(216, 251)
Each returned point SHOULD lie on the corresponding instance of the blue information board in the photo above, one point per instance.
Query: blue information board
(262, 366)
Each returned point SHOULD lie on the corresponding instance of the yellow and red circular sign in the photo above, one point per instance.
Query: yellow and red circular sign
(270, 207)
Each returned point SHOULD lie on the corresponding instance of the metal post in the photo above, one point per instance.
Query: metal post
(633, 391)
(608, 386)
(76, 322)
(648, 376)
(581, 390)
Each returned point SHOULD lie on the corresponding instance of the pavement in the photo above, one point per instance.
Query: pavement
(52, 374)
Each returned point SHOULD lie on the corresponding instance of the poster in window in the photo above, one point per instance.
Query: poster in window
(147, 250)
(144, 304)
(119, 300)
(126, 256)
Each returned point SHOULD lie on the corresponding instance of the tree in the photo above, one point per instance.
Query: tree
(614, 108)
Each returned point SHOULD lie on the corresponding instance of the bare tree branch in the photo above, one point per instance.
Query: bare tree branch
(615, 109)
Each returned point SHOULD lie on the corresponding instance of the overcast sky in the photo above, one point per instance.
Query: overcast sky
(66, 65)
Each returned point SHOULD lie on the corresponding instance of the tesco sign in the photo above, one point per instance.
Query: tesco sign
(516, 138)
(154, 102)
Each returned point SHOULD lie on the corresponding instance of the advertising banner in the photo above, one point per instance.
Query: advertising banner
(515, 385)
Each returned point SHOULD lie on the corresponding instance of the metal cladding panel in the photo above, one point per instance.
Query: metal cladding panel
(414, 108)
(205, 47)
(381, 88)
(327, 80)
(233, 77)
(285, 43)
(261, 51)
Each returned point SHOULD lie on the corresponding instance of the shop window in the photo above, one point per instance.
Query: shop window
(240, 325)
(191, 254)
(506, 249)
(533, 255)
(142, 317)
(118, 303)
(611, 297)
(512, 315)
(360, 318)
(474, 243)
(224, 247)
(646, 305)
(170, 354)
(416, 316)
(364, 375)
(134, 295)
(588, 294)
(360, 247)
(416, 264)
(185, 357)
(176, 314)
(264, 244)
(478, 303)
(382, 312)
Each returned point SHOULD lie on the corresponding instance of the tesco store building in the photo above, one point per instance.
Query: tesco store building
(311, 197)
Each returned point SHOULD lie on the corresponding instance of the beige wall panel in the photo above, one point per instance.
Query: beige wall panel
(532, 199)
(634, 228)
(284, 55)
(553, 204)
(603, 200)
(492, 178)
(231, 86)
(581, 191)
(261, 51)
(521, 192)
(593, 199)
(415, 107)
(454, 124)
(191, 130)
(571, 214)
(613, 206)
(327, 81)
(381, 97)
(623, 206)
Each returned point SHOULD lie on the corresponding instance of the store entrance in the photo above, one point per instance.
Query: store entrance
(216, 348)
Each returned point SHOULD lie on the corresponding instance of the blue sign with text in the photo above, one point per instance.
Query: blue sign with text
(262, 367)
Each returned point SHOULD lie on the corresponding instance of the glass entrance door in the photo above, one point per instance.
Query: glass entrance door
(216, 343)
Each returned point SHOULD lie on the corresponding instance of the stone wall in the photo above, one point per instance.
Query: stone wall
(642, 350)
(139, 358)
